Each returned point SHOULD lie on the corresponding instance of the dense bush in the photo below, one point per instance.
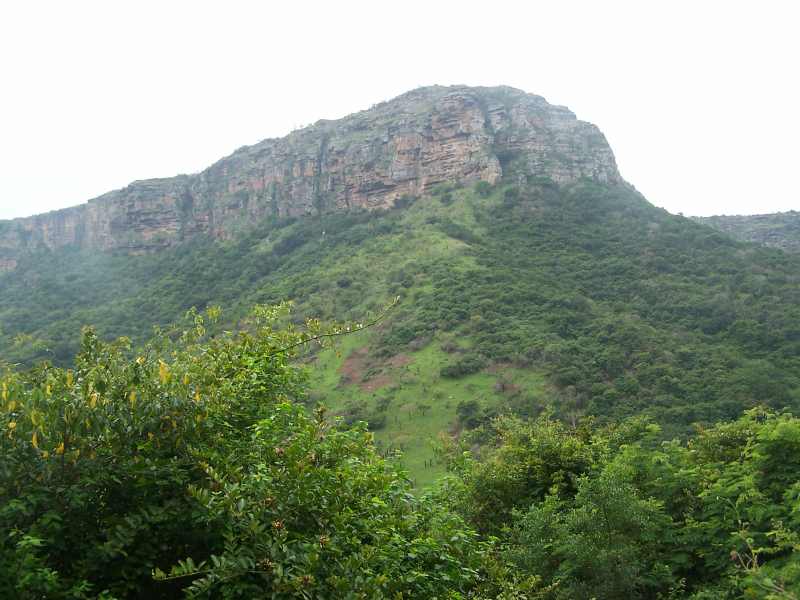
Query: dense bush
(355, 411)
(611, 513)
(190, 453)
(312, 512)
(470, 363)
(96, 460)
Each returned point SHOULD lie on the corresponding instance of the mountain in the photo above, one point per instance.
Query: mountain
(531, 277)
(370, 159)
(777, 230)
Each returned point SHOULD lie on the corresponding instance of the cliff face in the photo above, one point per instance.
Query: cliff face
(368, 159)
(777, 230)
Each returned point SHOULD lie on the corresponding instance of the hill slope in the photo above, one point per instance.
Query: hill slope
(576, 299)
(776, 230)
(538, 292)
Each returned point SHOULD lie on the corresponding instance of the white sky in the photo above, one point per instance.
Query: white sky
(699, 100)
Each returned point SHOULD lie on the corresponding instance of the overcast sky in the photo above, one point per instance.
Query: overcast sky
(699, 100)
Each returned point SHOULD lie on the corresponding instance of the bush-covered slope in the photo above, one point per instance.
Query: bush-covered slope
(580, 299)
(187, 469)
(777, 230)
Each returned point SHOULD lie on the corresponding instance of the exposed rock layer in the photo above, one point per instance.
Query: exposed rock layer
(777, 230)
(369, 159)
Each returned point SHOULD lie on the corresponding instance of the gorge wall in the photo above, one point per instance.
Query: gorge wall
(369, 159)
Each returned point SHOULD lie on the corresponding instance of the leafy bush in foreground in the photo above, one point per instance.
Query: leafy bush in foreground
(192, 447)
(186, 469)
(311, 511)
(612, 513)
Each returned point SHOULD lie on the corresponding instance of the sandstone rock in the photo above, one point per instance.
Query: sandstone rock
(369, 159)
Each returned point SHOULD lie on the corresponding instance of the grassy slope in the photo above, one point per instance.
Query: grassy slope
(422, 404)
(409, 429)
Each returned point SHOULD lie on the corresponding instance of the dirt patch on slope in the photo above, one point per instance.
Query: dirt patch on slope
(376, 383)
(399, 360)
(355, 367)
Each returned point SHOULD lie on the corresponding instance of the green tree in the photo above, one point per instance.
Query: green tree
(311, 511)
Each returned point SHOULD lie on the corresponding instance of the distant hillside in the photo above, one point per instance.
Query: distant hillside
(777, 230)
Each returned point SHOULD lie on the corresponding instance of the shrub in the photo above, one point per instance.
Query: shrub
(404, 201)
(97, 459)
(312, 511)
(470, 363)
(483, 189)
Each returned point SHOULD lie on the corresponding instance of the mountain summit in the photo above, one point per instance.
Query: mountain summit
(402, 147)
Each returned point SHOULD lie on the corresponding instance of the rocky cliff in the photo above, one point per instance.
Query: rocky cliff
(369, 159)
(777, 230)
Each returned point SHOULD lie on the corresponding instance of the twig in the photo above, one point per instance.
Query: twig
(322, 336)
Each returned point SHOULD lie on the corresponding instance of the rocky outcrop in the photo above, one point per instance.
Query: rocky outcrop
(369, 159)
(777, 230)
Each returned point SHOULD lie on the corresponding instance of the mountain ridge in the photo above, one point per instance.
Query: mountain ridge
(370, 159)
(776, 230)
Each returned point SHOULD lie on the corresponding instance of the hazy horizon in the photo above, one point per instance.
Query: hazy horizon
(696, 101)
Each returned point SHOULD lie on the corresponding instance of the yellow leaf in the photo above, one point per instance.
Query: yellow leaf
(35, 440)
(70, 379)
(48, 390)
(5, 391)
(12, 406)
(163, 372)
(45, 454)
(60, 448)
(93, 399)
(132, 398)
(12, 425)
(186, 379)
(140, 360)
(197, 395)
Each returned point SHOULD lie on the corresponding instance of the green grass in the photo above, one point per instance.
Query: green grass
(423, 404)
